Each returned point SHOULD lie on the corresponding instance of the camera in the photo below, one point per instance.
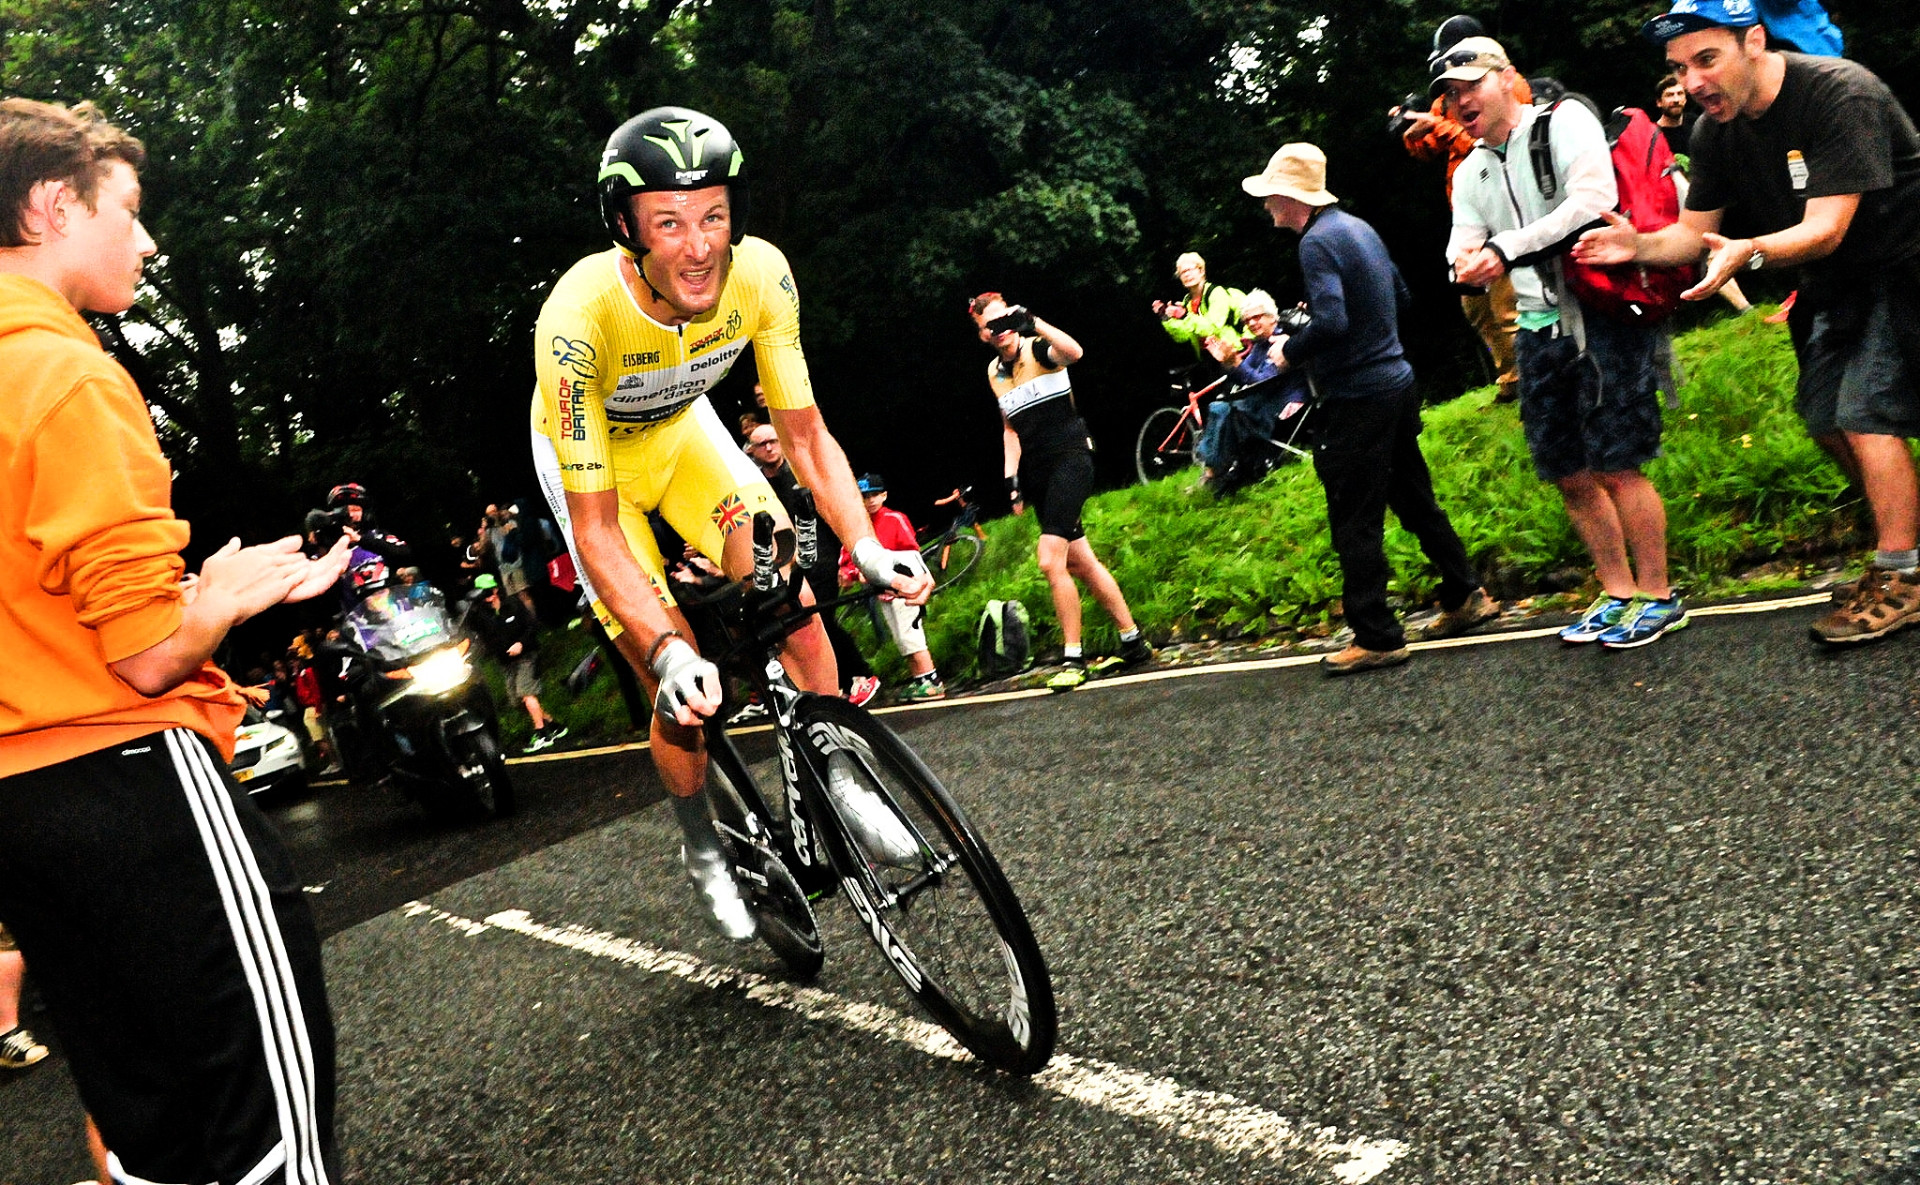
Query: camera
(322, 527)
(1016, 320)
(1402, 118)
(1292, 321)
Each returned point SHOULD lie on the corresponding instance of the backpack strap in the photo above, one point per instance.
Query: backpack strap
(1540, 153)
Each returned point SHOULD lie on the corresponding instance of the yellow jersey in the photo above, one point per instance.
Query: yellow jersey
(610, 376)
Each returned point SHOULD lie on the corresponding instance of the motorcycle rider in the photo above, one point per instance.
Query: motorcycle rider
(349, 512)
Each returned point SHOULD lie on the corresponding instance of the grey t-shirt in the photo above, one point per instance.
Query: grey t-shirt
(1834, 129)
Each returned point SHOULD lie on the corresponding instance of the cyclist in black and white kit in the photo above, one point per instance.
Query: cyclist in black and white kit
(1049, 466)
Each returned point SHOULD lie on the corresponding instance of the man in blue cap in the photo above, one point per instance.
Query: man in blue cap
(1817, 161)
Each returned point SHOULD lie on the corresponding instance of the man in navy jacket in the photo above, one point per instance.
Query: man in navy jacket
(1367, 454)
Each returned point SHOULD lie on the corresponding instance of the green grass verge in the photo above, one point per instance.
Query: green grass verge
(1744, 487)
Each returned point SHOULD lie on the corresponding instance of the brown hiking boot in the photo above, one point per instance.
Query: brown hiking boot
(1359, 658)
(1476, 610)
(1883, 601)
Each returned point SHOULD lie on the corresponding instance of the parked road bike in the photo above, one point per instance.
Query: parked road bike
(952, 554)
(858, 813)
(1166, 440)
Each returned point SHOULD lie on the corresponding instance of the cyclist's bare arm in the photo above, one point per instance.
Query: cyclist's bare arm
(821, 466)
(1010, 448)
(1064, 349)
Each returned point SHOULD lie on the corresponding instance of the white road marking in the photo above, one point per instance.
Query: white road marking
(1496, 638)
(1233, 1125)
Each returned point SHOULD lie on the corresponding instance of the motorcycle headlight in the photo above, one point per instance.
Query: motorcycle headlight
(441, 672)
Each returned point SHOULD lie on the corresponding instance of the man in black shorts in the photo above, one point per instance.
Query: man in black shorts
(1816, 157)
(1049, 466)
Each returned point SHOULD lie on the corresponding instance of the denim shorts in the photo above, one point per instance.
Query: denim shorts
(1858, 343)
(1598, 411)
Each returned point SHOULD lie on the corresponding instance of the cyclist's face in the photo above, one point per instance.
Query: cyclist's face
(686, 233)
(1006, 341)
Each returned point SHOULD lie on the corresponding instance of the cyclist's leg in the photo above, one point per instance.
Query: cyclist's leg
(1084, 564)
(715, 493)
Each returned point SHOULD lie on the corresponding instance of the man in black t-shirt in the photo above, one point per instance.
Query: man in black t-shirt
(1818, 159)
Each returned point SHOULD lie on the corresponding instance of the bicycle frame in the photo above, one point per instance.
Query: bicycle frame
(1191, 412)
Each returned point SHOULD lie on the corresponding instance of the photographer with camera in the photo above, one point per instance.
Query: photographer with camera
(1049, 465)
(1208, 310)
(1435, 134)
(373, 553)
(1367, 452)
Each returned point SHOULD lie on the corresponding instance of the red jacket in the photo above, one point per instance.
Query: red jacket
(895, 533)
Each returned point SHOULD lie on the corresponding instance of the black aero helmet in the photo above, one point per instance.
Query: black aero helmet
(1453, 31)
(669, 148)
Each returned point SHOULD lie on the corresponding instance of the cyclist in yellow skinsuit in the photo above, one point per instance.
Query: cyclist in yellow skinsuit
(626, 347)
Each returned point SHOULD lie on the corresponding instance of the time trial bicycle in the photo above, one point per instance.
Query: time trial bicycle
(859, 813)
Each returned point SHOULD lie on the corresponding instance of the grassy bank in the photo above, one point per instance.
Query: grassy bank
(1744, 487)
(1749, 500)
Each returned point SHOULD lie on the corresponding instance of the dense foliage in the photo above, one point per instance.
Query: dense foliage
(361, 205)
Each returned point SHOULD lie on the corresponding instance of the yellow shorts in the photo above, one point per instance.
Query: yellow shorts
(689, 469)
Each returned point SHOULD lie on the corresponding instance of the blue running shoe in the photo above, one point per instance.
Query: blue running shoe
(1605, 613)
(1646, 620)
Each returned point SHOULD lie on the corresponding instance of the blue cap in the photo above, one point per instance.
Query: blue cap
(1691, 16)
(870, 483)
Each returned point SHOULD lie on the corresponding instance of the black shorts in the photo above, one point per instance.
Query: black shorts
(178, 959)
(1056, 485)
(1858, 344)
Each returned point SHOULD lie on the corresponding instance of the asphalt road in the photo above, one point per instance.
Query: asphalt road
(1510, 913)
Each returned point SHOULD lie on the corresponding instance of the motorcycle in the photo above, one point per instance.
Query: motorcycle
(421, 709)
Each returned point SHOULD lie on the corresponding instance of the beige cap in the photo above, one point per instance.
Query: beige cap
(1298, 171)
(1470, 59)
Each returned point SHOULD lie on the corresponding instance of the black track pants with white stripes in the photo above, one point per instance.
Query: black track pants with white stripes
(161, 917)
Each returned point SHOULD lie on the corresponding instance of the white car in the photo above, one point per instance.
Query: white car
(267, 756)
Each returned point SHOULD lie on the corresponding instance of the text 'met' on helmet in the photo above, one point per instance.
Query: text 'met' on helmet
(669, 148)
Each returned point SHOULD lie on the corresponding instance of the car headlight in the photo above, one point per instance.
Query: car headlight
(441, 672)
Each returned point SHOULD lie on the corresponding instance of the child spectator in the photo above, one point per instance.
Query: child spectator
(906, 622)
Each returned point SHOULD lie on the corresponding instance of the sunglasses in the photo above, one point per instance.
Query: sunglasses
(1456, 59)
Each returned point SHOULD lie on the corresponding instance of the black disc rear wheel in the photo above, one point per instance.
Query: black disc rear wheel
(931, 895)
(1165, 445)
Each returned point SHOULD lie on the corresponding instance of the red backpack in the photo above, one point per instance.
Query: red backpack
(1643, 168)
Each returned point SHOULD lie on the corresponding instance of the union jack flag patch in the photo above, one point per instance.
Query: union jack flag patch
(730, 515)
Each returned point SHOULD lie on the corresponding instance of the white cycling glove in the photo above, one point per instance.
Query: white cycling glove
(878, 566)
(683, 674)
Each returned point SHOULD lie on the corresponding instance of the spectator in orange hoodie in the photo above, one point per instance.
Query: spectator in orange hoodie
(116, 729)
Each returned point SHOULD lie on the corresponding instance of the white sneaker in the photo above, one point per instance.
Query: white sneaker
(872, 820)
(713, 880)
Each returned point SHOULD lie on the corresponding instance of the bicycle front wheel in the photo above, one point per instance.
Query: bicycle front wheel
(930, 894)
(1165, 444)
(949, 560)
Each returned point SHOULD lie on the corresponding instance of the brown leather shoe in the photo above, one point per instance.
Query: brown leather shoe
(1359, 658)
(1476, 610)
(1881, 602)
